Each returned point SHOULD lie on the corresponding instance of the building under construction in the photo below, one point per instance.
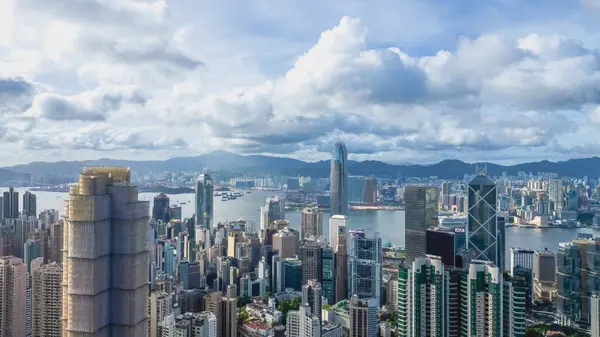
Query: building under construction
(105, 257)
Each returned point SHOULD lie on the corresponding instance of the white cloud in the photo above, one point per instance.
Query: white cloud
(152, 77)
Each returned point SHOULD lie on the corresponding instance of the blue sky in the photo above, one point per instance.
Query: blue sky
(397, 81)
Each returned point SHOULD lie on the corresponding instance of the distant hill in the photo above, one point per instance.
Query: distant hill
(8, 176)
(240, 164)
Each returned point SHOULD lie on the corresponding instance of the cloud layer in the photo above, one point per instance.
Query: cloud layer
(82, 78)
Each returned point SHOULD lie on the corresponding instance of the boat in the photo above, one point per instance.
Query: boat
(248, 192)
(224, 198)
(183, 203)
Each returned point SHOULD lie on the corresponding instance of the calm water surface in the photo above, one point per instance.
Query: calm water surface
(390, 224)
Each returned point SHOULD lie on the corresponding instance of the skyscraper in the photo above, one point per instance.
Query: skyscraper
(481, 222)
(370, 190)
(160, 307)
(10, 202)
(421, 212)
(328, 281)
(47, 301)
(32, 250)
(445, 194)
(555, 193)
(204, 201)
(339, 180)
(339, 242)
(482, 300)
(213, 302)
(311, 255)
(272, 210)
(160, 207)
(229, 313)
(312, 294)
(423, 298)
(363, 317)
(29, 204)
(13, 292)
(303, 323)
(312, 222)
(365, 265)
(105, 264)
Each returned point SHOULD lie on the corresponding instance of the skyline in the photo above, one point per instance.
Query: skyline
(138, 80)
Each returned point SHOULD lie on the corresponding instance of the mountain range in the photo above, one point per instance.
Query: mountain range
(223, 161)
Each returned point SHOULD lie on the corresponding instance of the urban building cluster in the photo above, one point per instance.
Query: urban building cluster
(114, 265)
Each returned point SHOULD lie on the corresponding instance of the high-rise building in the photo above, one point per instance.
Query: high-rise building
(481, 222)
(160, 208)
(356, 190)
(595, 319)
(46, 301)
(522, 264)
(13, 295)
(545, 267)
(555, 193)
(204, 201)
(312, 222)
(272, 210)
(338, 237)
(421, 212)
(213, 302)
(577, 276)
(482, 300)
(311, 255)
(328, 281)
(303, 323)
(445, 194)
(10, 201)
(370, 191)
(365, 265)
(514, 305)
(106, 257)
(441, 241)
(363, 317)
(229, 313)
(339, 180)
(29, 204)
(191, 324)
(312, 294)
(55, 243)
(160, 307)
(32, 251)
(286, 241)
(423, 298)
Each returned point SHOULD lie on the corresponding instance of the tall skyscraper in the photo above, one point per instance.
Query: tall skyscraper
(46, 301)
(356, 190)
(481, 223)
(213, 303)
(286, 241)
(545, 267)
(339, 180)
(55, 243)
(303, 323)
(160, 307)
(482, 300)
(423, 299)
(363, 317)
(311, 255)
(328, 281)
(229, 313)
(204, 201)
(514, 305)
(595, 310)
(29, 204)
(105, 264)
(555, 193)
(10, 201)
(312, 294)
(521, 257)
(445, 194)
(421, 212)
(312, 222)
(365, 265)
(32, 249)
(338, 237)
(160, 208)
(13, 293)
(370, 190)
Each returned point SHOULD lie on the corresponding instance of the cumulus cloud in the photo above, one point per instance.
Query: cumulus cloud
(87, 106)
(133, 75)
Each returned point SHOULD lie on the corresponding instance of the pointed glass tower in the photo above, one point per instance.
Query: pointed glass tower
(482, 225)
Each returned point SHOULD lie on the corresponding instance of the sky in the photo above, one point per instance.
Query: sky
(399, 81)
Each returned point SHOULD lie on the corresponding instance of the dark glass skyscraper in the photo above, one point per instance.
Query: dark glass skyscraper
(204, 201)
(482, 231)
(421, 212)
(160, 207)
(339, 180)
